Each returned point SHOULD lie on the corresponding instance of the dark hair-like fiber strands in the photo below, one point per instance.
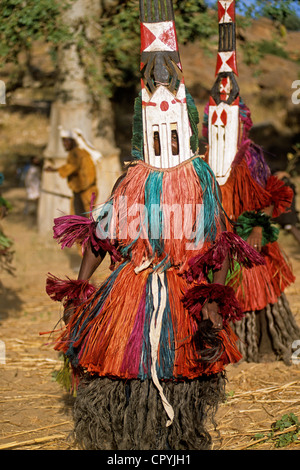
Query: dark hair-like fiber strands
(128, 415)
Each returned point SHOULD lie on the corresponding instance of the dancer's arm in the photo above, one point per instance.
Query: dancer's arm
(211, 309)
(256, 235)
(90, 262)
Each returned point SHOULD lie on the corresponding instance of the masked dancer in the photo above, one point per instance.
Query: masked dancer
(251, 197)
(150, 345)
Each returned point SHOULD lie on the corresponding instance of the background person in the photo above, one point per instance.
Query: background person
(79, 170)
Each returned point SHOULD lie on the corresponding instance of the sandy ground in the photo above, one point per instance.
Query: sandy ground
(35, 411)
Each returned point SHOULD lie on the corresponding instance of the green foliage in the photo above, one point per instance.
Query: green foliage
(64, 376)
(5, 203)
(283, 432)
(255, 51)
(285, 422)
(120, 45)
(230, 394)
(273, 48)
(277, 11)
(252, 54)
(120, 40)
(282, 12)
(292, 23)
(193, 21)
(25, 21)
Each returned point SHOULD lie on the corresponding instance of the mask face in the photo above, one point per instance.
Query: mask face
(166, 127)
(223, 122)
(223, 114)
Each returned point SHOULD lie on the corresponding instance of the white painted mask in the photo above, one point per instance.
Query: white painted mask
(223, 114)
(166, 126)
(223, 122)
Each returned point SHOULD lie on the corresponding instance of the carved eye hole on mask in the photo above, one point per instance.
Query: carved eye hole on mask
(156, 143)
(174, 139)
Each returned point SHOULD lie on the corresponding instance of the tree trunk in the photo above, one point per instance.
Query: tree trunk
(74, 108)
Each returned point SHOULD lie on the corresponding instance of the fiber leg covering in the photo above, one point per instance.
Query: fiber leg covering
(268, 333)
(118, 415)
(247, 333)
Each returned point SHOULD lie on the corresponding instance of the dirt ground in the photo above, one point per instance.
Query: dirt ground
(35, 411)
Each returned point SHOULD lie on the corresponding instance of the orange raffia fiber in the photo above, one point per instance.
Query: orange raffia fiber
(132, 191)
(186, 363)
(242, 193)
(180, 189)
(104, 340)
(268, 281)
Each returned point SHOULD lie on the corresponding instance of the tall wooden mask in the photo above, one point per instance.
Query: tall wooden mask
(223, 115)
(166, 126)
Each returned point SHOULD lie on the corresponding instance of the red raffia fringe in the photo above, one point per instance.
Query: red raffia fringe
(242, 193)
(70, 229)
(228, 244)
(281, 195)
(196, 297)
(75, 290)
(268, 281)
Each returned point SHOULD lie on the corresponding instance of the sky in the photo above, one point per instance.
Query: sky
(250, 2)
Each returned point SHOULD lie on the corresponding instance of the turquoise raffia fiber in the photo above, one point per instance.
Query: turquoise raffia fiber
(211, 204)
(153, 223)
(153, 198)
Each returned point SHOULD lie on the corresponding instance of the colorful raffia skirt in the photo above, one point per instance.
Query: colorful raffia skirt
(134, 340)
(262, 285)
(135, 326)
(268, 329)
